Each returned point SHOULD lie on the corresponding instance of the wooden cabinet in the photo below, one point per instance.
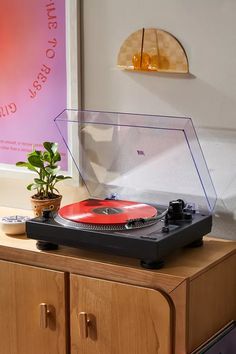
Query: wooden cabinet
(32, 310)
(114, 318)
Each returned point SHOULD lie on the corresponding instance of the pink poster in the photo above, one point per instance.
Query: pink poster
(32, 75)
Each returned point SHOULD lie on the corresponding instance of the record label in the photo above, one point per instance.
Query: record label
(95, 211)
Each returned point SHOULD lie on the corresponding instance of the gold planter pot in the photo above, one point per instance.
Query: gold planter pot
(39, 205)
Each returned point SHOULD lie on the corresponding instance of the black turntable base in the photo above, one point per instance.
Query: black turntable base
(143, 231)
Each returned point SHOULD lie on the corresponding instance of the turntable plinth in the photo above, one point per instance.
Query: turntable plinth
(129, 308)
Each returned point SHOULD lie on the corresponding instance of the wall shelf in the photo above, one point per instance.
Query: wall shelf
(154, 50)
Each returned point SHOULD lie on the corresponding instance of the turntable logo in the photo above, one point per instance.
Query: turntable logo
(141, 152)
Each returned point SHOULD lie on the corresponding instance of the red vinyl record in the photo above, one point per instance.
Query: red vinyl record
(93, 211)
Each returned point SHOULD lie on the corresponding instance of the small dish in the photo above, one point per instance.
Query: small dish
(14, 224)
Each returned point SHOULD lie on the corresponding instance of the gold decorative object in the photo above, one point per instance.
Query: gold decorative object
(153, 49)
(84, 324)
(44, 314)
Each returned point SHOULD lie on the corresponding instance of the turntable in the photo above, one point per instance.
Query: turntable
(149, 189)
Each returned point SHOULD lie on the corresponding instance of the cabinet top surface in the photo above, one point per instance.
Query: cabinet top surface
(180, 265)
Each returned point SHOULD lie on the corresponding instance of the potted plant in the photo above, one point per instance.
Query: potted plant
(45, 165)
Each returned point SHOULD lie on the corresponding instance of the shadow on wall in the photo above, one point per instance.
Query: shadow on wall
(207, 105)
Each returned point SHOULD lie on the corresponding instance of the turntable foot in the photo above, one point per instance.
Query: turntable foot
(152, 264)
(197, 243)
(46, 246)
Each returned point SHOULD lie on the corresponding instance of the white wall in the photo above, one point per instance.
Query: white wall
(207, 30)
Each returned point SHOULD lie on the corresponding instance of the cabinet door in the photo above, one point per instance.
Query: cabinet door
(114, 318)
(32, 310)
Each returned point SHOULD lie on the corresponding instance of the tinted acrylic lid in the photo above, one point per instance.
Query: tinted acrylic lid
(151, 159)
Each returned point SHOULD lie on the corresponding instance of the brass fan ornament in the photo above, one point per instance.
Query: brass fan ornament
(153, 49)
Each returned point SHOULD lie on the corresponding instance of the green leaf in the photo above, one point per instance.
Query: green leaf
(38, 152)
(22, 164)
(51, 147)
(61, 178)
(36, 161)
(27, 165)
(32, 168)
(32, 186)
(48, 146)
(46, 156)
(52, 171)
(57, 157)
(54, 148)
(35, 153)
(39, 181)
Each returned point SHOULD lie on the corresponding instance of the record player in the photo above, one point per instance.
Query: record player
(149, 188)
